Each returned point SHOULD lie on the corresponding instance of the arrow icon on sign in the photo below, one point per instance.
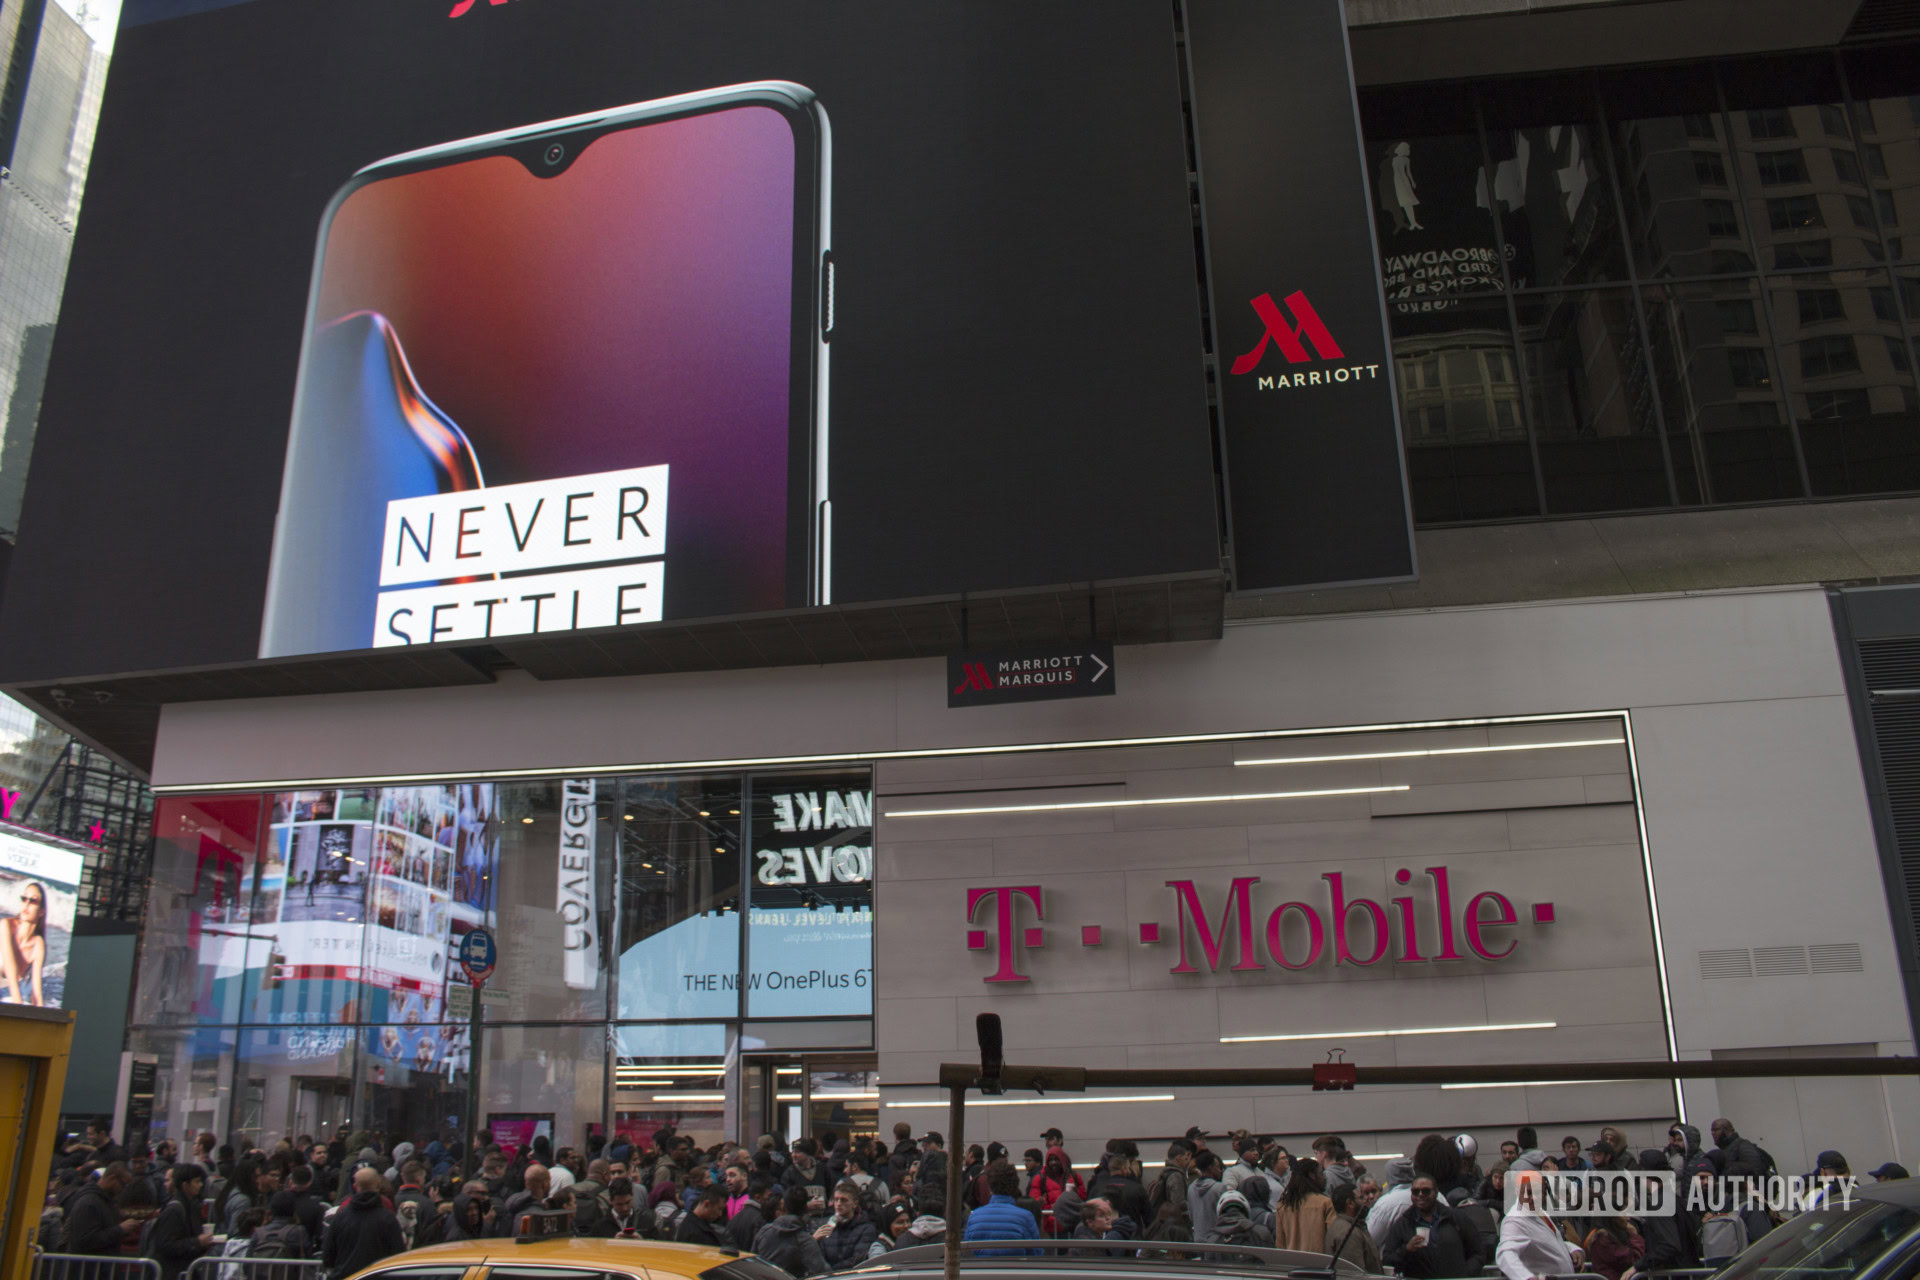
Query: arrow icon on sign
(1104, 668)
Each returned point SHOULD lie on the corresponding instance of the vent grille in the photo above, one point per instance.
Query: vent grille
(1836, 957)
(1778, 962)
(1782, 962)
(1731, 963)
(1877, 18)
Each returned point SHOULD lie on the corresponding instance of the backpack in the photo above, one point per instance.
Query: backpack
(1721, 1236)
(275, 1241)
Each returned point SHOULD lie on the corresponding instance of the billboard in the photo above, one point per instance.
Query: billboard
(506, 319)
(39, 888)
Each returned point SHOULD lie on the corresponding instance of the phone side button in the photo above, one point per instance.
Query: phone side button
(826, 296)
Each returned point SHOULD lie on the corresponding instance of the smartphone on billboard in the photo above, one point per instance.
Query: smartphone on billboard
(565, 376)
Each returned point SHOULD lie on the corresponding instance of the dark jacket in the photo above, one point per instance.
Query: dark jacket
(744, 1226)
(694, 1229)
(456, 1228)
(1672, 1243)
(173, 1238)
(905, 1152)
(788, 1244)
(1453, 1249)
(93, 1224)
(606, 1226)
(847, 1244)
(1128, 1196)
(311, 1212)
(363, 1231)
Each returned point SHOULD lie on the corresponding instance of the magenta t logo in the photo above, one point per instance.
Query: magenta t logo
(1004, 935)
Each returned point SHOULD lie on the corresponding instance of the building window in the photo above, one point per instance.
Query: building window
(1794, 213)
(1833, 120)
(1861, 212)
(1723, 221)
(1749, 368)
(1817, 305)
(1807, 253)
(1876, 160)
(1846, 167)
(1736, 315)
(1780, 168)
(1889, 211)
(1883, 304)
(1709, 170)
(1897, 354)
(1824, 357)
(1698, 126)
(1772, 122)
(1830, 406)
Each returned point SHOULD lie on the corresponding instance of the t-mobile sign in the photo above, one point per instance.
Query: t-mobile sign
(1316, 489)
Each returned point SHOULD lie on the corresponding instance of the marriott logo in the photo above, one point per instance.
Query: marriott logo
(1291, 338)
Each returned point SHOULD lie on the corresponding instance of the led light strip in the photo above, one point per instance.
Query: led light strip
(1439, 751)
(1401, 1031)
(1527, 1084)
(689, 1097)
(836, 757)
(827, 1097)
(1134, 804)
(701, 1070)
(1036, 1102)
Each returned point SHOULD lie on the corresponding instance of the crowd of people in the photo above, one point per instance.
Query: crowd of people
(835, 1201)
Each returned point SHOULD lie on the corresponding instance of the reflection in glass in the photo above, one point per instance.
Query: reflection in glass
(534, 1074)
(1682, 217)
(1887, 122)
(413, 1082)
(1592, 399)
(199, 909)
(1460, 412)
(810, 943)
(293, 1080)
(680, 897)
(193, 1071)
(671, 1074)
(1719, 393)
(1849, 381)
(1549, 184)
(554, 883)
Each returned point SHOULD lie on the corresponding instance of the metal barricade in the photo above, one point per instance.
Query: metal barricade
(89, 1266)
(215, 1267)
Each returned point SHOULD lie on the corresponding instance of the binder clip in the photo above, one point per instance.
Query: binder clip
(1332, 1075)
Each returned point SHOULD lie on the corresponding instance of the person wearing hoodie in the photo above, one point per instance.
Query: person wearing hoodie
(1247, 1166)
(177, 1236)
(762, 1207)
(1530, 1244)
(904, 1231)
(1232, 1222)
(1673, 1241)
(402, 1152)
(1204, 1190)
(1068, 1211)
(1255, 1190)
(363, 1230)
(1683, 1152)
(702, 1223)
(786, 1242)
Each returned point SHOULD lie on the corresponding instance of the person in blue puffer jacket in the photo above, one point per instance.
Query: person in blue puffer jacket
(1000, 1218)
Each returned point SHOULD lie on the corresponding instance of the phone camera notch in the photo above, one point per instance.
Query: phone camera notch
(555, 153)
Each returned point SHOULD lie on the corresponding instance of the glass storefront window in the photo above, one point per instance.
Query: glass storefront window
(553, 899)
(1677, 178)
(542, 1079)
(1849, 381)
(293, 1080)
(1592, 398)
(1887, 127)
(679, 897)
(193, 1071)
(199, 909)
(810, 938)
(1550, 184)
(1460, 408)
(674, 1073)
(413, 1082)
(1719, 391)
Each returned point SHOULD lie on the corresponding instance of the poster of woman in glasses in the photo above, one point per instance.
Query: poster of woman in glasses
(38, 882)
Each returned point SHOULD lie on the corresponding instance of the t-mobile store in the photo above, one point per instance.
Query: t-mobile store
(775, 901)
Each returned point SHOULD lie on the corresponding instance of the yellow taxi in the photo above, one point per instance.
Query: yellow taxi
(566, 1257)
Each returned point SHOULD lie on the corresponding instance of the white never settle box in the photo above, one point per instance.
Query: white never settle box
(478, 534)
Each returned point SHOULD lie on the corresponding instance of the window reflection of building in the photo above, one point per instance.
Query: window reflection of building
(1740, 329)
